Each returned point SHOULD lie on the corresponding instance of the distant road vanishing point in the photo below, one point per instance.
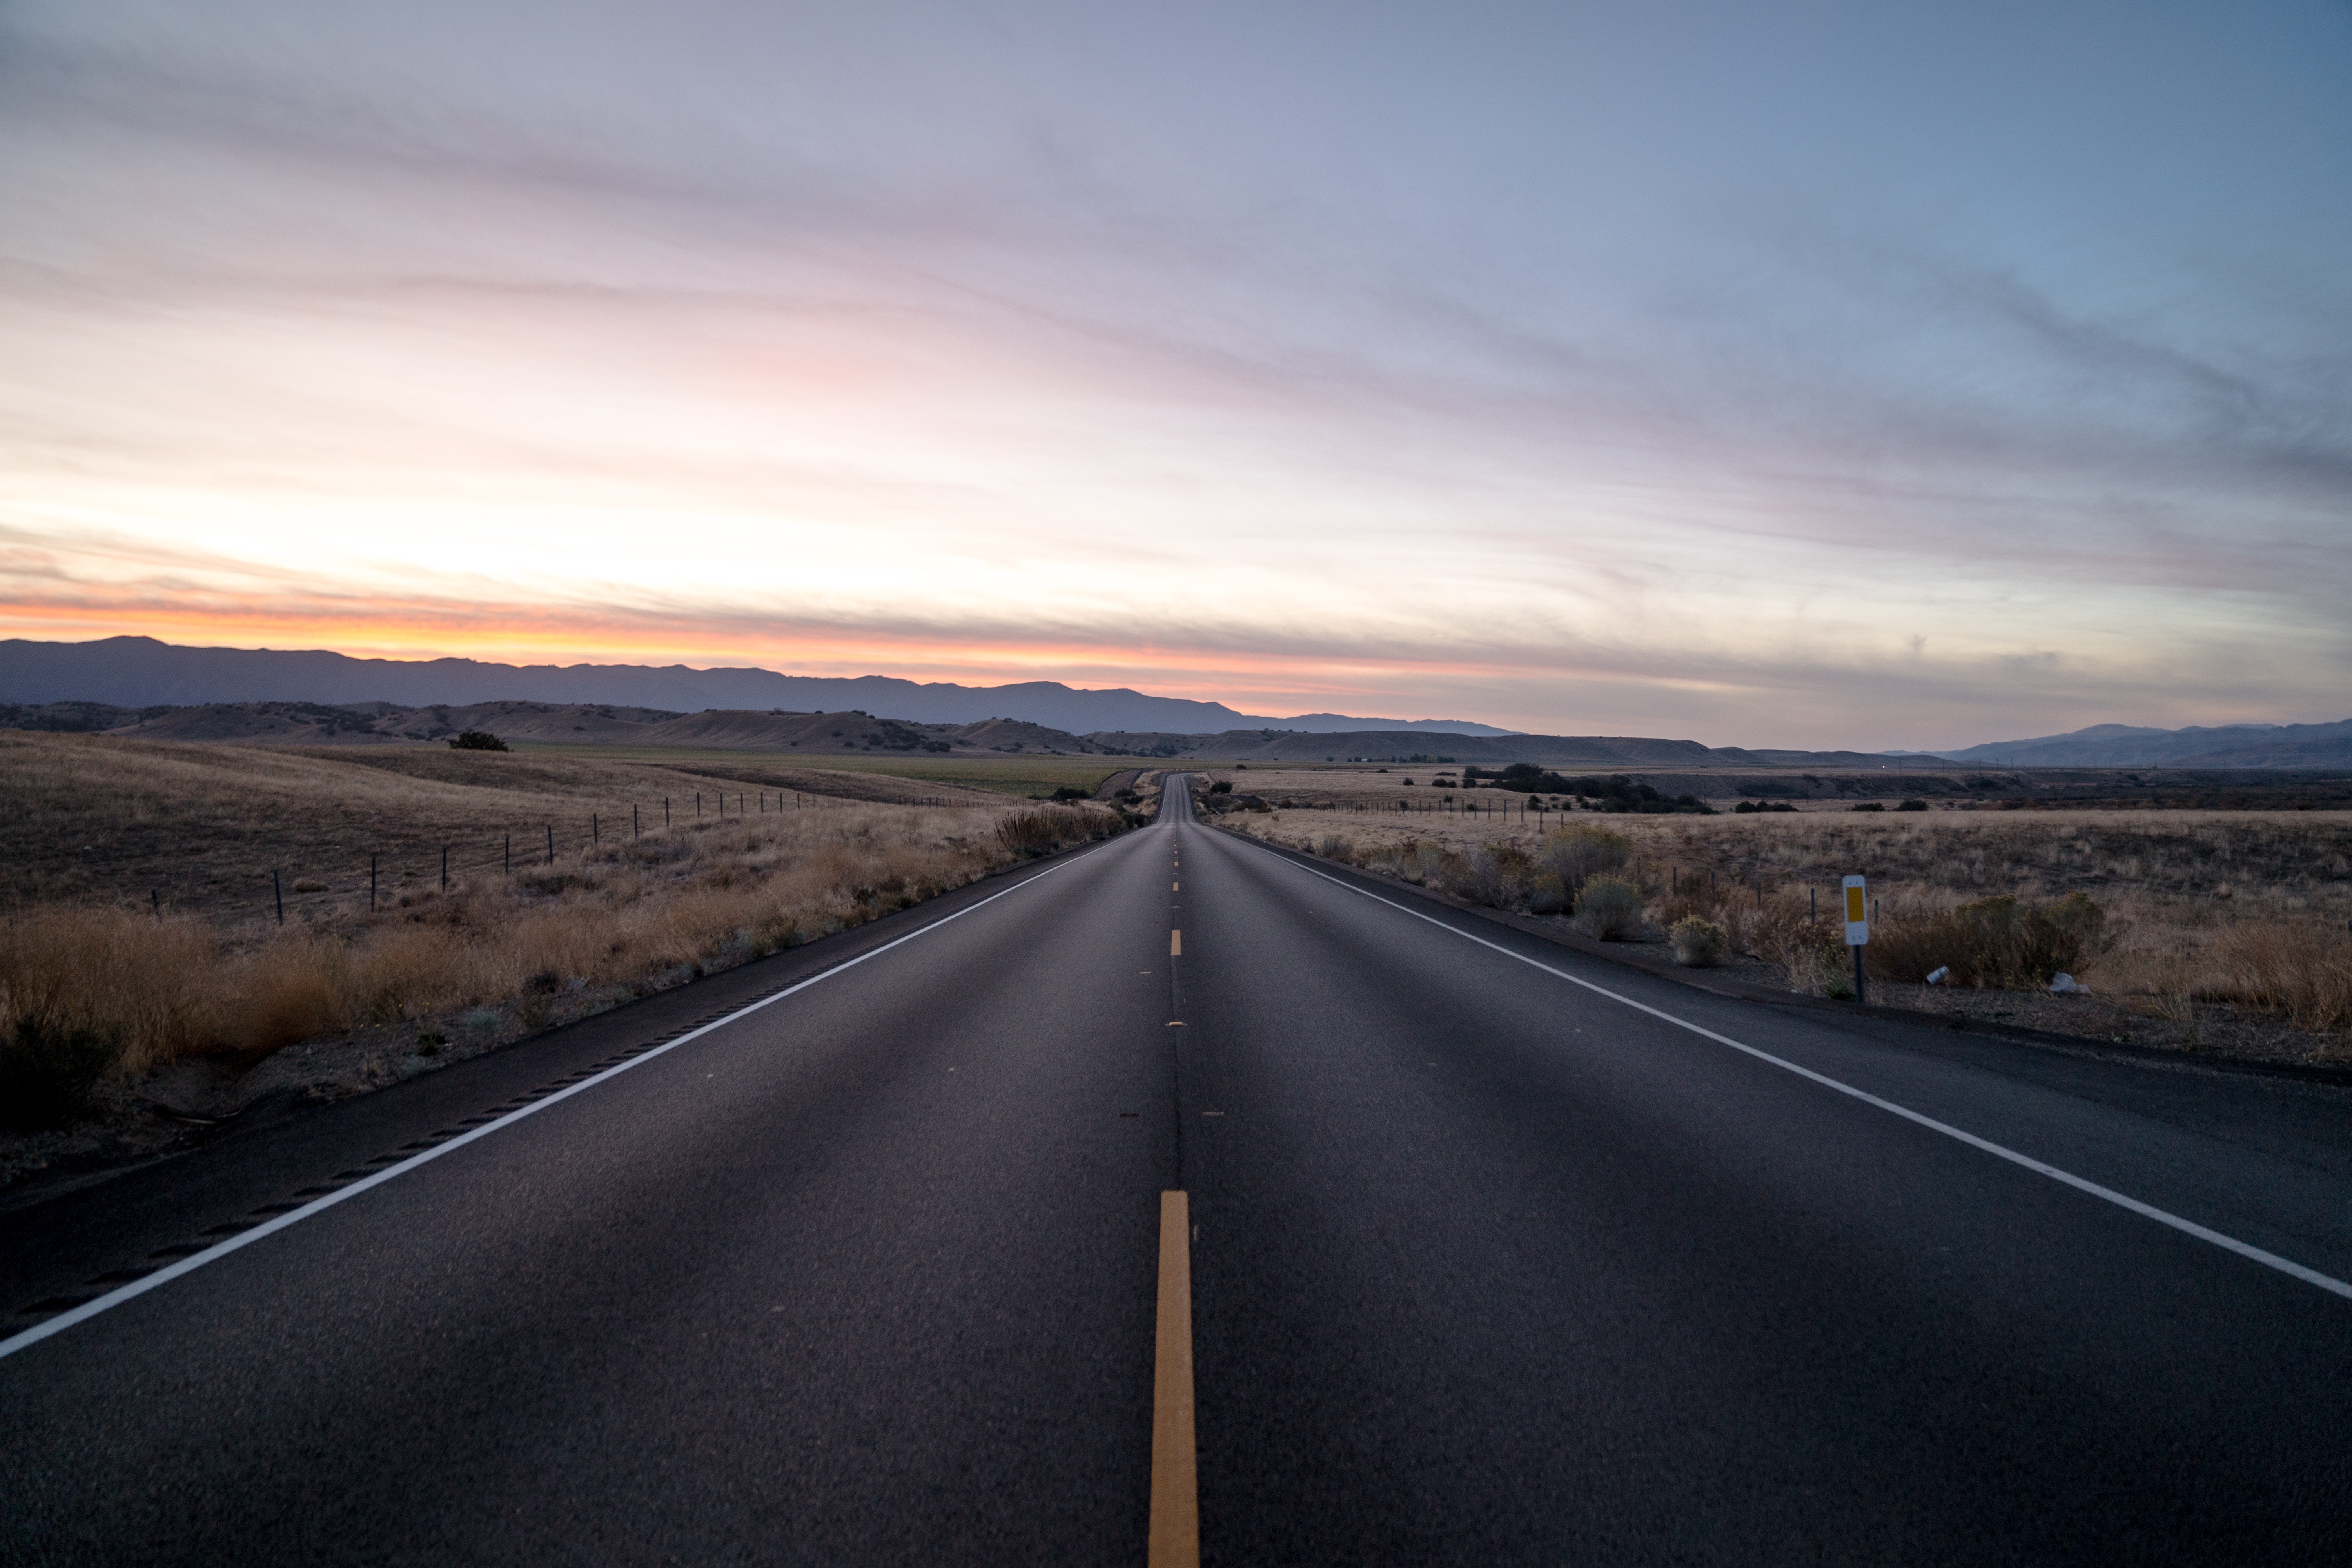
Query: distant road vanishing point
(1487, 1251)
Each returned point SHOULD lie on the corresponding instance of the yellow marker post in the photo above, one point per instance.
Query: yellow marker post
(1175, 1533)
(1857, 931)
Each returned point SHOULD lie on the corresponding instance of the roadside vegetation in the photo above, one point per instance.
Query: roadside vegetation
(141, 929)
(2193, 919)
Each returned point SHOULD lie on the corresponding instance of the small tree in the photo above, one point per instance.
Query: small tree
(476, 741)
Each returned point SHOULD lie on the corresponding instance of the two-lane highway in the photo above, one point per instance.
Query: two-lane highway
(1496, 1253)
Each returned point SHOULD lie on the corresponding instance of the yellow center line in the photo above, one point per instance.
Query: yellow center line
(1175, 944)
(1175, 1494)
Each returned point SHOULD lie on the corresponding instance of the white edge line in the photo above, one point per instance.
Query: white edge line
(214, 1254)
(2121, 1200)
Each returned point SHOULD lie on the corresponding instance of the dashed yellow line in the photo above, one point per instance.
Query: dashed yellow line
(1175, 944)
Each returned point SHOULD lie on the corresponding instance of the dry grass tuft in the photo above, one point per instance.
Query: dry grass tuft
(2301, 968)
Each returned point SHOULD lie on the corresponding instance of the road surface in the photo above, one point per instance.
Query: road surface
(1497, 1253)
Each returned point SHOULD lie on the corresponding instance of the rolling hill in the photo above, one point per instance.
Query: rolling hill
(2199, 746)
(136, 672)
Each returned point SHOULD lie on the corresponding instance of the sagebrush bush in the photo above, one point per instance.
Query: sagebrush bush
(1034, 833)
(1337, 847)
(2000, 943)
(1698, 943)
(1609, 909)
(1580, 850)
(1494, 874)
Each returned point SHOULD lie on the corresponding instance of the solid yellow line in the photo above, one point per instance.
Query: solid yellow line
(1175, 1498)
(1175, 944)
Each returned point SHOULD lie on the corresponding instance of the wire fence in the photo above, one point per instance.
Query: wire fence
(542, 846)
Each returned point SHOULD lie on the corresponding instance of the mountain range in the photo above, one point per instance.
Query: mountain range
(136, 678)
(141, 672)
(2198, 746)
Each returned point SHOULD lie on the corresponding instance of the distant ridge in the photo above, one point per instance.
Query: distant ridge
(2199, 746)
(141, 672)
(289, 723)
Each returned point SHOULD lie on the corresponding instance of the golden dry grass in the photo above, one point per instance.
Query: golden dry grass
(1029, 775)
(2242, 907)
(218, 974)
(96, 819)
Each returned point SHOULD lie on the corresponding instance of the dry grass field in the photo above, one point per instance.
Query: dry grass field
(1027, 775)
(201, 827)
(2200, 917)
(139, 924)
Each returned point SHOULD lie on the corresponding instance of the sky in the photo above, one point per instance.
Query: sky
(1877, 374)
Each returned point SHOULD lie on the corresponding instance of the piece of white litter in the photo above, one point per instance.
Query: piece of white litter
(2067, 985)
(1938, 975)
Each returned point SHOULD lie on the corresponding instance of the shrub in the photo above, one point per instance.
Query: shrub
(1999, 943)
(1837, 983)
(1423, 861)
(1335, 847)
(48, 1070)
(476, 741)
(1913, 805)
(1546, 894)
(1034, 833)
(1494, 874)
(1818, 964)
(1578, 851)
(1867, 806)
(1697, 943)
(1068, 791)
(1749, 807)
(1608, 909)
(1223, 787)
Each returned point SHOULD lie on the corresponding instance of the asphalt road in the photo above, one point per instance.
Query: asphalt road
(1488, 1265)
